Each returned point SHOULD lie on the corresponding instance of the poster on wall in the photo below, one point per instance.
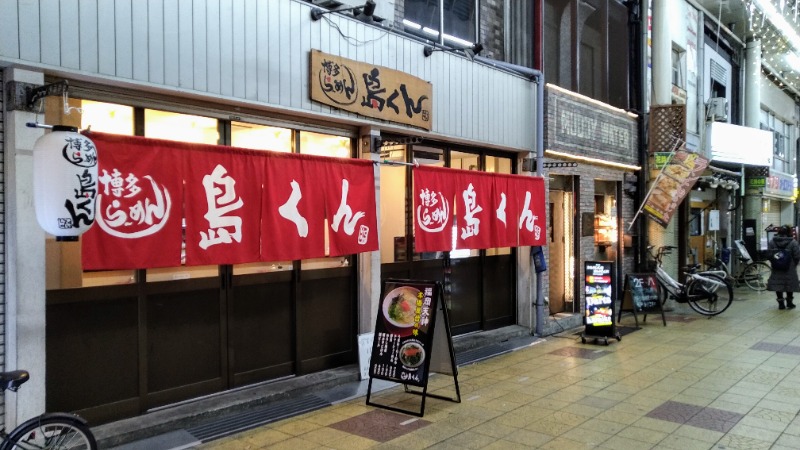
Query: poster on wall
(672, 185)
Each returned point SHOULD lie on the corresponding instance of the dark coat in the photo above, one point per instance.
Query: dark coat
(785, 280)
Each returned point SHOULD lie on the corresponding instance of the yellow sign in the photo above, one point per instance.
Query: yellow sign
(369, 90)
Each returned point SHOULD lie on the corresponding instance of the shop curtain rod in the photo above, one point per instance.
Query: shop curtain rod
(398, 163)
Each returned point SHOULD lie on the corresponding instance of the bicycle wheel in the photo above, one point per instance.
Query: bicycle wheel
(53, 432)
(709, 295)
(756, 275)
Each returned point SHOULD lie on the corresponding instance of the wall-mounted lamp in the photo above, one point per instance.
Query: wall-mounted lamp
(367, 10)
(470, 51)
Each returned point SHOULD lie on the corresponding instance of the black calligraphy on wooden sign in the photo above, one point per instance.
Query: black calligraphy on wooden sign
(370, 90)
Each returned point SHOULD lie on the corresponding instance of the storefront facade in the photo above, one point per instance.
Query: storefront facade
(135, 339)
(590, 154)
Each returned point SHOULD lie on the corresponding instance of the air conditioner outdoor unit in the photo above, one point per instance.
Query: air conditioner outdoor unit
(717, 109)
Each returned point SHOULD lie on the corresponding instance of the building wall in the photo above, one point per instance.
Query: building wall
(491, 32)
(256, 54)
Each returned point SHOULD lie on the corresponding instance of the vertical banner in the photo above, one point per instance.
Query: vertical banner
(474, 209)
(223, 206)
(349, 192)
(139, 201)
(531, 207)
(434, 192)
(673, 184)
(293, 217)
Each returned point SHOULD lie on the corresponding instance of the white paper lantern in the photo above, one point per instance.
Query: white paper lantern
(64, 182)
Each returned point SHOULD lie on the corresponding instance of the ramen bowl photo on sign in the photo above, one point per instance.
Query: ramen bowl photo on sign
(399, 306)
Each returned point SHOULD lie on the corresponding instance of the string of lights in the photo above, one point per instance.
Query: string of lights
(775, 24)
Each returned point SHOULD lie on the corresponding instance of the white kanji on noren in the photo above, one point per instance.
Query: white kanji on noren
(221, 199)
(346, 213)
(528, 219)
(472, 227)
(152, 212)
(501, 210)
(290, 212)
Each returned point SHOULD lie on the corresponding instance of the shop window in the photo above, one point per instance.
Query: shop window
(325, 145)
(63, 269)
(393, 245)
(184, 128)
(463, 161)
(498, 165)
(334, 146)
(180, 127)
(261, 137)
(427, 156)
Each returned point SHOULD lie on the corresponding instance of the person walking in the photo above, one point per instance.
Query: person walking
(785, 253)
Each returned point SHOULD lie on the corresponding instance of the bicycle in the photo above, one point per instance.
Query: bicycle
(707, 293)
(752, 273)
(53, 431)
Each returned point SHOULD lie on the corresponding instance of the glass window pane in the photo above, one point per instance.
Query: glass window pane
(63, 268)
(63, 259)
(393, 243)
(261, 137)
(183, 128)
(465, 161)
(496, 164)
(325, 145)
(427, 156)
(261, 267)
(459, 19)
(422, 17)
(180, 127)
(107, 117)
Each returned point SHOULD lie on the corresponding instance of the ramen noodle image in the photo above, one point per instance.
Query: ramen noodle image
(412, 354)
(399, 306)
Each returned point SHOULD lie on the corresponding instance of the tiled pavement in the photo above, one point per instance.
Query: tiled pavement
(729, 382)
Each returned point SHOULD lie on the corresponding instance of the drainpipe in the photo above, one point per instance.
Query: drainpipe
(537, 77)
(540, 114)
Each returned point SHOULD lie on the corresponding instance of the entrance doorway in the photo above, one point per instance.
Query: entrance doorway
(561, 247)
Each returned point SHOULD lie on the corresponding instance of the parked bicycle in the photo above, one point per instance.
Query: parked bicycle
(707, 293)
(752, 273)
(53, 431)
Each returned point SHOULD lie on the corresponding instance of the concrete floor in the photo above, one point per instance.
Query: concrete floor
(729, 382)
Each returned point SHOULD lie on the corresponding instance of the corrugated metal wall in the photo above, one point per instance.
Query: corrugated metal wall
(255, 51)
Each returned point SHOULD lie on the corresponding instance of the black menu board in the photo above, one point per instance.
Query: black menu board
(401, 349)
(643, 289)
(599, 288)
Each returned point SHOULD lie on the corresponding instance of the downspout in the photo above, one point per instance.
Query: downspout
(540, 114)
